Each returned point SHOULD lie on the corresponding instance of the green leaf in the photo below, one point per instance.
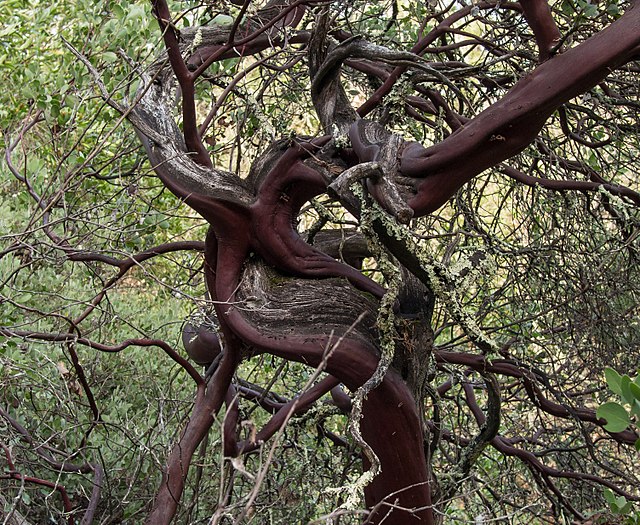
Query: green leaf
(136, 13)
(613, 380)
(567, 8)
(625, 391)
(222, 20)
(590, 11)
(621, 501)
(637, 444)
(609, 497)
(118, 11)
(635, 390)
(7, 30)
(109, 57)
(616, 416)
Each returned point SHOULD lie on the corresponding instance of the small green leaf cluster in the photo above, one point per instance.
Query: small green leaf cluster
(620, 415)
(618, 504)
(586, 9)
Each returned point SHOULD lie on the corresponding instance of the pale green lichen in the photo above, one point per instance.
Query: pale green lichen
(621, 206)
(442, 281)
(341, 140)
(197, 39)
(265, 122)
(387, 334)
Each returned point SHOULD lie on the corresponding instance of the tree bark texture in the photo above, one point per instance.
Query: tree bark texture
(280, 295)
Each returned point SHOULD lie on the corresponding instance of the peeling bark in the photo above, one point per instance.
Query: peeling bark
(307, 303)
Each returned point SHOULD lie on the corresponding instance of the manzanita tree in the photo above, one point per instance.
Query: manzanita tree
(468, 312)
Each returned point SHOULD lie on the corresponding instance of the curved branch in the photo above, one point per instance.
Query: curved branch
(260, 38)
(94, 500)
(512, 123)
(564, 125)
(375, 99)
(577, 185)
(45, 451)
(298, 404)
(285, 188)
(510, 368)
(502, 445)
(373, 143)
(265, 325)
(540, 19)
(327, 93)
(186, 80)
(489, 427)
(14, 474)
(169, 158)
(328, 96)
(208, 402)
(70, 338)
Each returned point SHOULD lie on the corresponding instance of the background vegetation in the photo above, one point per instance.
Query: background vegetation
(556, 291)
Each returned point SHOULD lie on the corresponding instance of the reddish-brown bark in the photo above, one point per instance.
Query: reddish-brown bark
(260, 220)
(512, 123)
(313, 308)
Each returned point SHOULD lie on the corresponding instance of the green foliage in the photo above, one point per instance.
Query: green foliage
(40, 73)
(619, 504)
(616, 416)
(620, 415)
(558, 286)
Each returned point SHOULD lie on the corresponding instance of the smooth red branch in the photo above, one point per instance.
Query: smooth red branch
(287, 186)
(14, 474)
(297, 405)
(540, 19)
(577, 185)
(502, 444)
(208, 402)
(512, 123)
(252, 43)
(186, 81)
(509, 368)
(70, 338)
(375, 99)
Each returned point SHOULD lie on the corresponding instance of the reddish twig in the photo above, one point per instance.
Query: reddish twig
(540, 19)
(14, 474)
(186, 81)
(419, 48)
(576, 185)
(66, 338)
(299, 404)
